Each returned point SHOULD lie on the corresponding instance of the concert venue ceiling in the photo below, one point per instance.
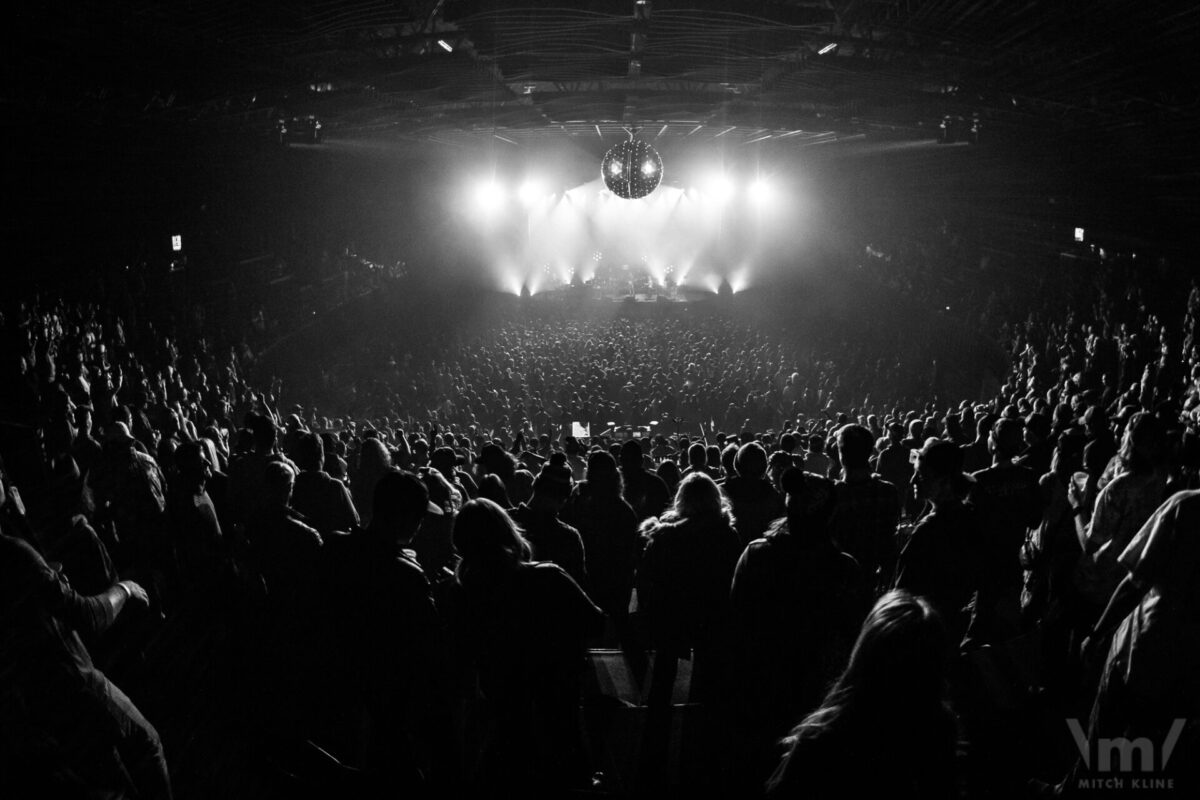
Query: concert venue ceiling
(1109, 85)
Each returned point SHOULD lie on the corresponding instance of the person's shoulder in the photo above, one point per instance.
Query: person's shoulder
(545, 573)
(760, 548)
(408, 568)
(984, 476)
(847, 564)
(1187, 500)
(1025, 473)
(299, 524)
(18, 550)
(144, 458)
(663, 530)
(1120, 484)
(881, 482)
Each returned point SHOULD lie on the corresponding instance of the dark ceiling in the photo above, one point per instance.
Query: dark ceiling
(752, 72)
(1102, 96)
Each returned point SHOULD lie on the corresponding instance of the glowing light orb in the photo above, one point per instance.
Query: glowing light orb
(631, 169)
(489, 197)
(529, 193)
(760, 193)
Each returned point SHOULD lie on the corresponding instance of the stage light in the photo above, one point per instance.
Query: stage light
(829, 48)
(488, 197)
(442, 43)
(739, 280)
(760, 192)
(529, 193)
(719, 189)
(946, 131)
(299, 130)
(631, 169)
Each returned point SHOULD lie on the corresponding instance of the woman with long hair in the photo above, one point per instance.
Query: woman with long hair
(373, 461)
(884, 729)
(520, 626)
(609, 528)
(1122, 507)
(684, 580)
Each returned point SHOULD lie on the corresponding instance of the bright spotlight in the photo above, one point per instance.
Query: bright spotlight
(614, 168)
(649, 168)
(829, 48)
(529, 193)
(760, 192)
(488, 197)
(720, 189)
(442, 43)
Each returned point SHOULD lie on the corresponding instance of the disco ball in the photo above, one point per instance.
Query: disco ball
(631, 169)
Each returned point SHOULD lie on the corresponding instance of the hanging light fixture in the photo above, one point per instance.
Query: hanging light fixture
(632, 169)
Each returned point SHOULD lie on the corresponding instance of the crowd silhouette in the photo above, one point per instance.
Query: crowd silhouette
(488, 558)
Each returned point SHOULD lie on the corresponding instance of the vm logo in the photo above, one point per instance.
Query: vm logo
(1125, 749)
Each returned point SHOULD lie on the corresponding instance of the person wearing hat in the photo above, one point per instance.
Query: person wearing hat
(798, 602)
(941, 560)
(552, 539)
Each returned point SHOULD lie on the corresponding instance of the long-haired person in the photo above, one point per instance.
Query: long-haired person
(521, 627)
(374, 461)
(1122, 507)
(609, 527)
(884, 729)
(685, 576)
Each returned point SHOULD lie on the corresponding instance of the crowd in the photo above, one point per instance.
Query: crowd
(405, 600)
